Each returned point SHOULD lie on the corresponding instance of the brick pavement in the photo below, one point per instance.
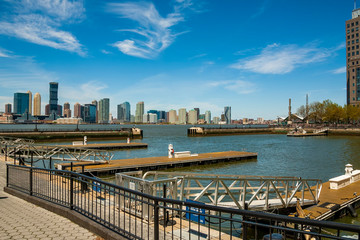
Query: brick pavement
(22, 220)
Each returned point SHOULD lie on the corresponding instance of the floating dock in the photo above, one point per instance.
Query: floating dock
(306, 134)
(156, 163)
(109, 146)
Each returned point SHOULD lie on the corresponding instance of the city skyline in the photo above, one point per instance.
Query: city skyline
(251, 56)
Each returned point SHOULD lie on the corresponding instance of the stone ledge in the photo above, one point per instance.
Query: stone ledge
(69, 214)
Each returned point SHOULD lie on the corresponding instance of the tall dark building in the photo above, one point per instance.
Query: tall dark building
(53, 97)
(8, 108)
(89, 113)
(21, 103)
(197, 112)
(352, 59)
(227, 114)
(123, 112)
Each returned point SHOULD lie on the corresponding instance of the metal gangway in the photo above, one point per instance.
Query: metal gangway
(321, 130)
(26, 149)
(264, 193)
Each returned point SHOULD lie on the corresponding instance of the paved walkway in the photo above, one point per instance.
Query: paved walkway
(22, 220)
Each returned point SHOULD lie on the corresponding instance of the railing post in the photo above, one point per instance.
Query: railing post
(50, 167)
(31, 180)
(5, 153)
(244, 225)
(71, 192)
(156, 220)
(7, 175)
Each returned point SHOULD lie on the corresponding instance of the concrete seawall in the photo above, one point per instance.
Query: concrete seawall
(202, 132)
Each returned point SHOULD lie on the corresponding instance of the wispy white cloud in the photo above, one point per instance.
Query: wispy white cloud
(261, 9)
(198, 56)
(205, 65)
(84, 92)
(238, 86)
(339, 70)
(4, 53)
(39, 22)
(154, 32)
(281, 59)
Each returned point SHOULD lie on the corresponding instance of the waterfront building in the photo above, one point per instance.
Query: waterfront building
(353, 59)
(47, 109)
(197, 113)
(260, 120)
(77, 110)
(132, 118)
(123, 112)
(182, 116)
(172, 116)
(192, 117)
(104, 110)
(139, 112)
(67, 111)
(94, 102)
(30, 101)
(37, 104)
(8, 108)
(227, 114)
(208, 117)
(21, 103)
(59, 110)
(245, 121)
(161, 116)
(89, 113)
(216, 120)
(153, 117)
(53, 97)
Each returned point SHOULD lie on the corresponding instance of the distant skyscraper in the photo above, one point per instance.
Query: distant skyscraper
(139, 112)
(67, 111)
(352, 59)
(208, 117)
(104, 110)
(37, 104)
(182, 116)
(59, 110)
(53, 96)
(47, 109)
(21, 103)
(216, 120)
(8, 108)
(89, 113)
(197, 113)
(30, 101)
(94, 102)
(192, 117)
(123, 112)
(172, 116)
(77, 110)
(227, 114)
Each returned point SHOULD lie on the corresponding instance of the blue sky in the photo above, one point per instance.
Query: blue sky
(250, 55)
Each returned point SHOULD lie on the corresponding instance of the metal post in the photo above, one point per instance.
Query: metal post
(7, 175)
(244, 224)
(71, 191)
(5, 153)
(31, 180)
(71, 166)
(50, 167)
(32, 159)
(156, 220)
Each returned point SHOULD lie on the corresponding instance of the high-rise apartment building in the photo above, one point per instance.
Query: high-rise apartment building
(8, 108)
(67, 111)
(123, 112)
(94, 102)
(104, 110)
(227, 114)
(21, 103)
(172, 116)
(192, 117)
(30, 101)
(352, 59)
(37, 104)
(197, 113)
(89, 113)
(139, 112)
(53, 97)
(182, 116)
(77, 110)
(208, 117)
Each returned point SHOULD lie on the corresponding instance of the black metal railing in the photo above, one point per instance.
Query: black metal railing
(137, 215)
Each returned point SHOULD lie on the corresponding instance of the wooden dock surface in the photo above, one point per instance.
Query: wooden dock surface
(153, 163)
(108, 146)
(332, 201)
